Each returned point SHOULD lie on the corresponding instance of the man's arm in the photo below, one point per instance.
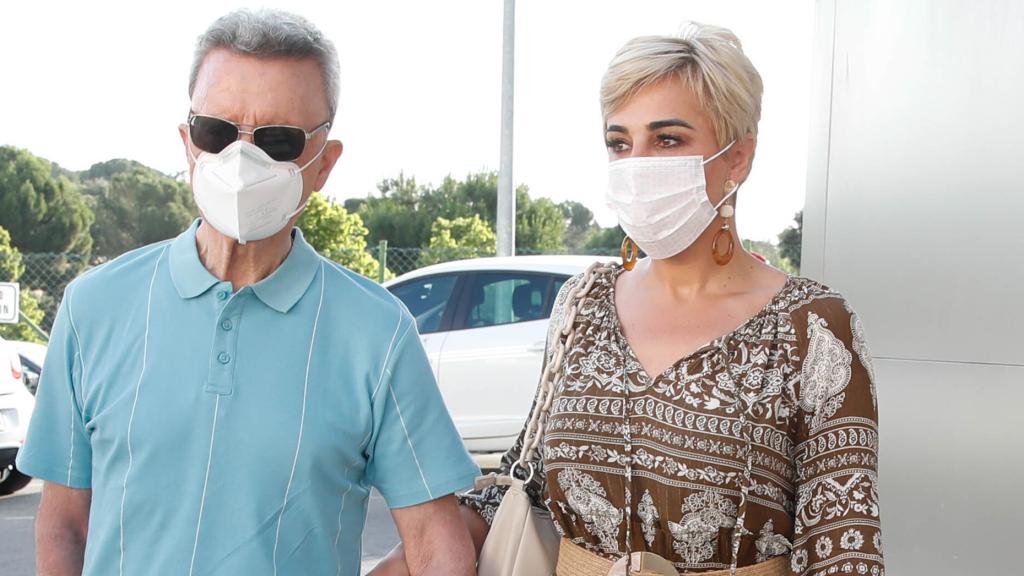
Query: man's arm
(435, 540)
(61, 528)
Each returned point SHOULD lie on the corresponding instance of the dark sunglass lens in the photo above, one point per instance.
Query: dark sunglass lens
(212, 134)
(282, 143)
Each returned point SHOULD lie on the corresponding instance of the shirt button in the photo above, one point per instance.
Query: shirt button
(227, 325)
(222, 295)
(223, 358)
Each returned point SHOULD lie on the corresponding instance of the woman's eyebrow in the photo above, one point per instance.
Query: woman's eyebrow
(670, 122)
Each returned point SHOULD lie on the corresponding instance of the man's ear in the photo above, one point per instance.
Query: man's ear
(183, 132)
(328, 159)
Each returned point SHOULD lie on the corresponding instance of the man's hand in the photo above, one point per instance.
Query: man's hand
(435, 541)
(61, 529)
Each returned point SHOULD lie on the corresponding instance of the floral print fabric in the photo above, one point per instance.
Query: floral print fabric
(766, 435)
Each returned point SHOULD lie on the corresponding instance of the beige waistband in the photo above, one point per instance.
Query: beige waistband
(575, 560)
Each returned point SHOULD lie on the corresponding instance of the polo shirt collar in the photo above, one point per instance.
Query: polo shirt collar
(281, 290)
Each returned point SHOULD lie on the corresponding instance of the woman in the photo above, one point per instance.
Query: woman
(750, 434)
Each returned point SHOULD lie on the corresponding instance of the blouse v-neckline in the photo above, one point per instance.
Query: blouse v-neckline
(715, 344)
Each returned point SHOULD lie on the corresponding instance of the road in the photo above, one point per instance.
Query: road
(17, 515)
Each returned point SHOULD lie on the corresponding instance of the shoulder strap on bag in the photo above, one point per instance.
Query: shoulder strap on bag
(551, 374)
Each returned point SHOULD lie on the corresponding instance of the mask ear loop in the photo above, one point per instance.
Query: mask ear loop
(302, 206)
(719, 153)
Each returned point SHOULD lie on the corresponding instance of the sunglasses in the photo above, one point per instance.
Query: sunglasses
(280, 142)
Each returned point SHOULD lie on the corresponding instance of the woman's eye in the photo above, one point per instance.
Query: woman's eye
(617, 145)
(668, 141)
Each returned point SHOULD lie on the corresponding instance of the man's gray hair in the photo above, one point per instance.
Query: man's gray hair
(271, 34)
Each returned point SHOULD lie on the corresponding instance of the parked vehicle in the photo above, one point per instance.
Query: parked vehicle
(483, 323)
(32, 356)
(16, 404)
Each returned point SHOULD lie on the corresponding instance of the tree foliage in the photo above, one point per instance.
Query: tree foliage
(11, 269)
(405, 211)
(42, 212)
(337, 234)
(606, 240)
(458, 238)
(791, 239)
(771, 253)
(11, 264)
(135, 205)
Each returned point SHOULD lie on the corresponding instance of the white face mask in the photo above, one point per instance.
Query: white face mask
(246, 194)
(662, 201)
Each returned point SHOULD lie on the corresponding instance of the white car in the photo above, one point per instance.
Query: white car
(32, 356)
(16, 405)
(483, 323)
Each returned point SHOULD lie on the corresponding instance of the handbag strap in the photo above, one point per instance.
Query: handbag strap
(551, 374)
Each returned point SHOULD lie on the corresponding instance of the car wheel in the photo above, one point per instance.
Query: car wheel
(11, 480)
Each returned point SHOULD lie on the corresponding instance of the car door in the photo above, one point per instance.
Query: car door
(492, 358)
(432, 302)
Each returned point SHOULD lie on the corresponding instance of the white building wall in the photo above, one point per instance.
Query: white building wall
(915, 212)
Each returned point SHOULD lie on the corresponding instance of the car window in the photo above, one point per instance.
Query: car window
(497, 298)
(427, 299)
(558, 282)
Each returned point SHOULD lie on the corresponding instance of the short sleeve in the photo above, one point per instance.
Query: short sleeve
(415, 453)
(837, 521)
(57, 447)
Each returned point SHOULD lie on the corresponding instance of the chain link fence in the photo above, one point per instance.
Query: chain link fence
(396, 261)
(45, 276)
(43, 279)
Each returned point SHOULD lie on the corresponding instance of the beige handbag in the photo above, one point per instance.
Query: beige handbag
(522, 540)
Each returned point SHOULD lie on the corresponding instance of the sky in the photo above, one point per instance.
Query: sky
(85, 82)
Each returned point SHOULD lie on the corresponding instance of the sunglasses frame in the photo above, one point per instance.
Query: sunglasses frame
(309, 134)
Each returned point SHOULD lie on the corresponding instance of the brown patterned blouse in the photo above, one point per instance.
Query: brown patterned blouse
(761, 443)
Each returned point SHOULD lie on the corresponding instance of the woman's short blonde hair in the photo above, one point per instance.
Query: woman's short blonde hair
(709, 59)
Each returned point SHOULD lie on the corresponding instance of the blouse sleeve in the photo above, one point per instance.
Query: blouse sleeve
(837, 528)
(485, 501)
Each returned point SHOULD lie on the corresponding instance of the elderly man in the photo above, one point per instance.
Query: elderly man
(221, 403)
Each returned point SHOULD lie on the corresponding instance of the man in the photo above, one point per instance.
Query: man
(221, 403)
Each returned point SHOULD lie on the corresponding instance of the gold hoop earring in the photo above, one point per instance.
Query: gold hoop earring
(629, 253)
(726, 212)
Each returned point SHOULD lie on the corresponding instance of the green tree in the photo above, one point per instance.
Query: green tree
(580, 225)
(43, 213)
(11, 269)
(12, 266)
(540, 225)
(135, 205)
(396, 215)
(332, 231)
(404, 212)
(790, 241)
(771, 253)
(605, 240)
(458, 238)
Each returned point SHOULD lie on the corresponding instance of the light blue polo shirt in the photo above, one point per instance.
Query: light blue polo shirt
(236, 432)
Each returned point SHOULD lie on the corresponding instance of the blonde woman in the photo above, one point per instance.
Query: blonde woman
(711, 410)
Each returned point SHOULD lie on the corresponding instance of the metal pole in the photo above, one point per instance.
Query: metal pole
(382, 259)
(506, 217)
(35, 327)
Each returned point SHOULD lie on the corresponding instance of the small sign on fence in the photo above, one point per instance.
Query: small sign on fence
(9, 302)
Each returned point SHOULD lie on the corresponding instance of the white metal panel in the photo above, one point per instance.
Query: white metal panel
(924, 230)
(812, 253)
(951, 466)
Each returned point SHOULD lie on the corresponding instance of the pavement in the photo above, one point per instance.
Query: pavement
(18, 513)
